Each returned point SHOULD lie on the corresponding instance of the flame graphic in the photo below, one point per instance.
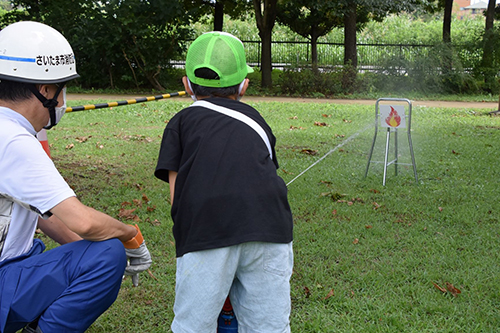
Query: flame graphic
(394, 120)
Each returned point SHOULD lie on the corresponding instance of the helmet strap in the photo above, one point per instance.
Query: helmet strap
(50, 104)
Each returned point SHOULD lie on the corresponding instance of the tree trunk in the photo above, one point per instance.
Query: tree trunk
(448, 7)
(265, 15)
(266, 60)
(314, 49)
(490, 15)
(111, 83)
(487, 61)
(447, 57)
(350, 49)
(219, 16)
(131, 67)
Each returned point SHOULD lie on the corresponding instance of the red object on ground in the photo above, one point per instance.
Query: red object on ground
(42, 137)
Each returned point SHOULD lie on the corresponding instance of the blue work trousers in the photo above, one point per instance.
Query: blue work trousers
(67, 287)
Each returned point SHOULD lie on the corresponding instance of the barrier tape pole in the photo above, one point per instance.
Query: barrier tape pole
(125, 102)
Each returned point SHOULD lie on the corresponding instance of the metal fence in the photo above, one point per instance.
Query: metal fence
(286, 54)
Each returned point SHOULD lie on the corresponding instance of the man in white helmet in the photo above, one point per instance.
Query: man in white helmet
(67, 288)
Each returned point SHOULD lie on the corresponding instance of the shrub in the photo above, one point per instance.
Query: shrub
(303, 81)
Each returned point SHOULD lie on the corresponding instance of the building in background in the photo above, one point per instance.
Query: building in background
(469, 8)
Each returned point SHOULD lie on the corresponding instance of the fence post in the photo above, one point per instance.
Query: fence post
(260, 58)
(307, 47)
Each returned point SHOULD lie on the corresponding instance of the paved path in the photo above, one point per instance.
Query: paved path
(469, 105)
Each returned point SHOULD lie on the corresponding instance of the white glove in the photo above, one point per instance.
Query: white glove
(139, 258)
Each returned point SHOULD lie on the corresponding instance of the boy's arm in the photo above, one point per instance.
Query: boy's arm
(172, 176)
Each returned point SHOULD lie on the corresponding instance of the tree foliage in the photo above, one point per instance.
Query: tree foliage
(234, 8)
(5, 5)
(356, 13)
(489, 67)
(117, 43)
(129, 43)
(310, 19)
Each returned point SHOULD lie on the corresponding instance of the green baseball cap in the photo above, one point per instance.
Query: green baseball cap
(221, 52)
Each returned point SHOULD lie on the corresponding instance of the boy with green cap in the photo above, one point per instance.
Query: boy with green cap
(232, 221)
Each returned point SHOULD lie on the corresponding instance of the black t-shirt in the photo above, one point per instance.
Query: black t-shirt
(227, 191)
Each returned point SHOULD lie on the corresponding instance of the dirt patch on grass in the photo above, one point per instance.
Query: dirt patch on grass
(87, 178)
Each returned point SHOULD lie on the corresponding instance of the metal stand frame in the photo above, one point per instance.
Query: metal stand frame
(395, 130)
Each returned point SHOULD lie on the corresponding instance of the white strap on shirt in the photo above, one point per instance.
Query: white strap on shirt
(239, 116)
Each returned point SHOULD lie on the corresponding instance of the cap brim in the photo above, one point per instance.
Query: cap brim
(249, 69)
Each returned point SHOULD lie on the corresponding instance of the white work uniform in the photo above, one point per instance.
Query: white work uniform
(25, 171)
(67, 288)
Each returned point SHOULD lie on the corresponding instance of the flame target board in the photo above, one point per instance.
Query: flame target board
(392, 116)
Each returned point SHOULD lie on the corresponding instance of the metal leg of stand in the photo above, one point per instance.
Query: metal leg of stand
(396, 151)
(371, 152)
(412, 156)
(374, 139)
(386, 154)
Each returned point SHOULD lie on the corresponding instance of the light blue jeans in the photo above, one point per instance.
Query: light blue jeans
(255, 275)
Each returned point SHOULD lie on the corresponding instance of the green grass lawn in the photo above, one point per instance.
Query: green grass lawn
(366, 255)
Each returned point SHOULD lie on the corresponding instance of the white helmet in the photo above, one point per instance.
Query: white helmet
(33, 52)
